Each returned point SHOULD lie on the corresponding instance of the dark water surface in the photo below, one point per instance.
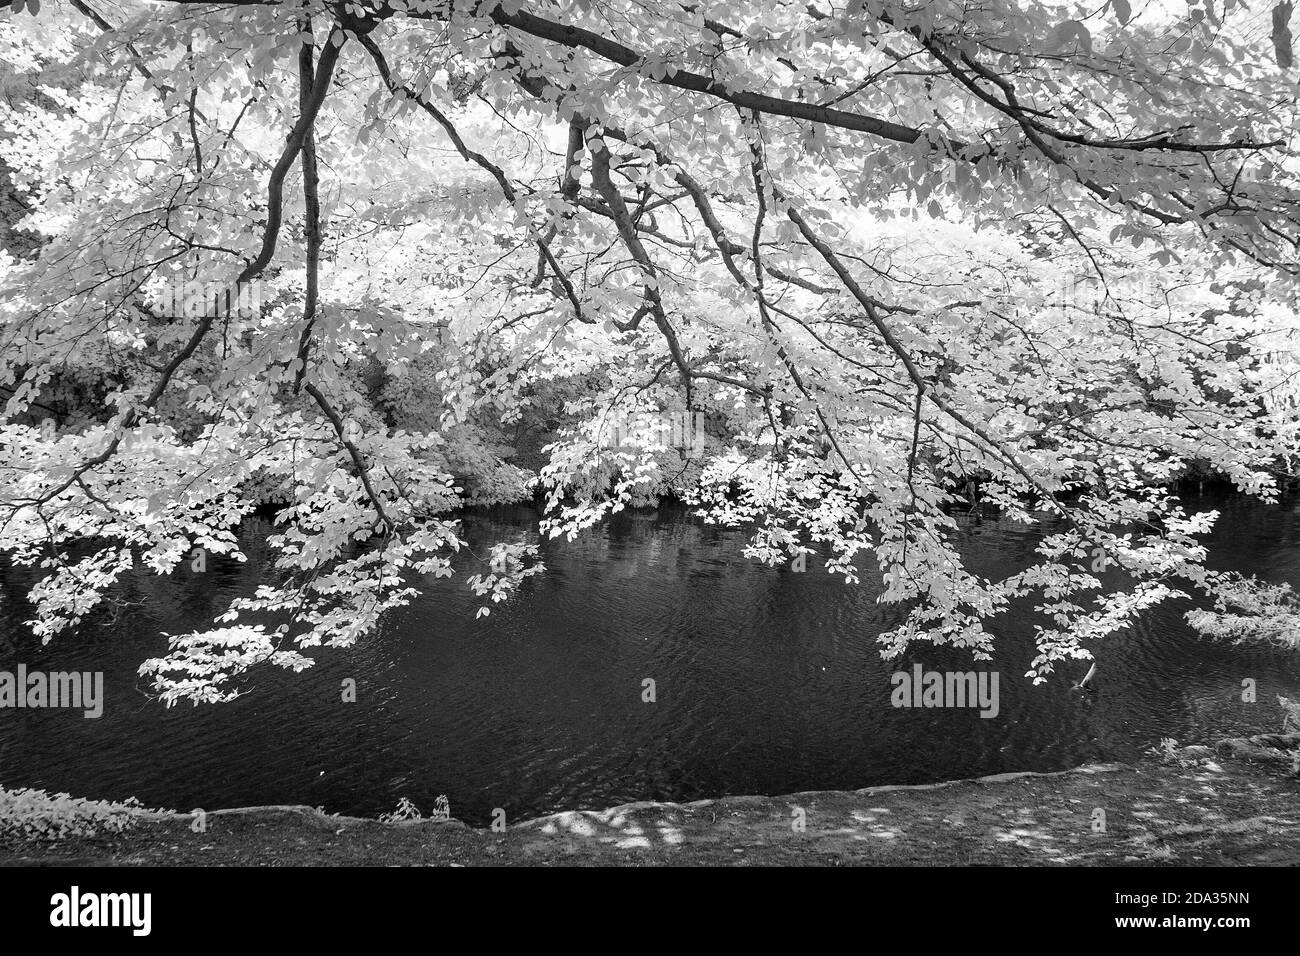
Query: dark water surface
(768, 681)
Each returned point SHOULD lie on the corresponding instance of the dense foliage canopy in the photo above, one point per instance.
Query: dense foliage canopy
(905, 260)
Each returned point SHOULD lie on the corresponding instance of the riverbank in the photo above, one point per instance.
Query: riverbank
(1188, 812)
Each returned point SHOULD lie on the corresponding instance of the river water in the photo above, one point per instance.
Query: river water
(766, 681)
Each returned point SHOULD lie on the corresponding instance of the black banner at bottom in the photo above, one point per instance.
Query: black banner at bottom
(337, 905)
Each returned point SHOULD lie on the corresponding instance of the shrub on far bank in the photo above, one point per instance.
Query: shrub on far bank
(28, 814)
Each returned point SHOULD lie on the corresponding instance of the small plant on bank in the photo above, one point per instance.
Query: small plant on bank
(1169, 751)
(441, 808)
(406, 810)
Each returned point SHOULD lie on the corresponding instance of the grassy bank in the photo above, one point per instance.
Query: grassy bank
(1188, 812)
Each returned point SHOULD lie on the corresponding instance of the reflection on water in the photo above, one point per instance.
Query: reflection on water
(767, 681)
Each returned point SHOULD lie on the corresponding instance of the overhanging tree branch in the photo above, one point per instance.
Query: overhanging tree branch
(270, 236)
